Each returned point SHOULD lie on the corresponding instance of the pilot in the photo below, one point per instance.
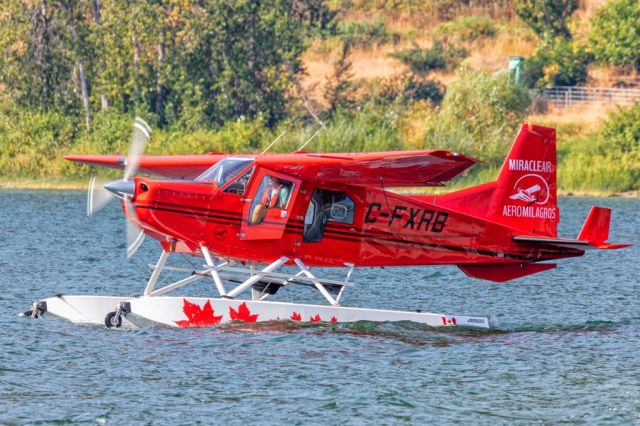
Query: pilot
(271, 197)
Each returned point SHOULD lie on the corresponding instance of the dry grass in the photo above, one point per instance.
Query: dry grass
(493, 54)
(608, 76)
(366, 64)
(589, 116)
(375, 62)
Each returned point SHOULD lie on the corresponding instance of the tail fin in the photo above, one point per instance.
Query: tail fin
(525, 193)
(596, 227)
(595, 230)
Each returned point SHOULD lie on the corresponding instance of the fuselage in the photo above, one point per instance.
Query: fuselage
(326, 225)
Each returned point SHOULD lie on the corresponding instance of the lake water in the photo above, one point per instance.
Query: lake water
(567, 347)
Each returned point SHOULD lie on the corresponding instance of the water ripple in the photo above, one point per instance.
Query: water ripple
(564, 350)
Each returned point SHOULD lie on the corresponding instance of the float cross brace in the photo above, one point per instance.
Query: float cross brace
(228, 272)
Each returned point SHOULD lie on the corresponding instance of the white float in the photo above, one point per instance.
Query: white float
(154, 307)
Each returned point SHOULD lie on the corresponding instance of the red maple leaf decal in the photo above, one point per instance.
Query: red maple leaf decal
(334, 319)
(315, 319)
(198, 317)
(296, 316)
(243, 314)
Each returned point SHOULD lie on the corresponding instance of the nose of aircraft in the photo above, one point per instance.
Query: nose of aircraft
(121, 187)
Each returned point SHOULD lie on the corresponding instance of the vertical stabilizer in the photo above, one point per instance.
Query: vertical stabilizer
(596, 227)
(525, 193)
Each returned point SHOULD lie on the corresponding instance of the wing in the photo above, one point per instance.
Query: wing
(173, 166)
(395, 168)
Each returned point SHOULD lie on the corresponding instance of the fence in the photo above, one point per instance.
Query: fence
(566, 96)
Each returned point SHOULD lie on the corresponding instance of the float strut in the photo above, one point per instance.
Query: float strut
(156, 273)
(213, 271)
(316, 282)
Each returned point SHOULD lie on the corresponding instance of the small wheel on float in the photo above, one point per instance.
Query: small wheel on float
(113, 320)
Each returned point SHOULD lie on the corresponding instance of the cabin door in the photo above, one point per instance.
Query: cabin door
(268, 205)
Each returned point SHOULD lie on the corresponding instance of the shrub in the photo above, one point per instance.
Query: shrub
(418, 89)
(406, 89)
(606, 160)
(32, 142)
(372, 127)
(440, 56)
(561, 64)
(621, 132)
(615, 33)
(366, 34)
(479, 115)
(467, 28)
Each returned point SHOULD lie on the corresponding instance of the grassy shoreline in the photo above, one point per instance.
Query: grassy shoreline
(74, 184)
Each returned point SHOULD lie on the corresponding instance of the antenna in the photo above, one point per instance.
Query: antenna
(310, 139)
(272, 143)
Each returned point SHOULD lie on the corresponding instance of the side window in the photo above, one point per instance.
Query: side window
(342, 208)
(239, 186)
(325, 206)
(273, 193)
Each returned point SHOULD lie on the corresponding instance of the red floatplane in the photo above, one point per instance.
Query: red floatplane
(254, 218)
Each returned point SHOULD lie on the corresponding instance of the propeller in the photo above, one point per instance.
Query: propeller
(97, 196)
(100, 193)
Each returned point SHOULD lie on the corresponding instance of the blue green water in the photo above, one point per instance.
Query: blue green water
(567, 347)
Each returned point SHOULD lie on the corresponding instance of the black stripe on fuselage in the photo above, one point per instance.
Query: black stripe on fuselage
(353, 236)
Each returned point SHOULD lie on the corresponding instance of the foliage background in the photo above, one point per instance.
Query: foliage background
(212, 75)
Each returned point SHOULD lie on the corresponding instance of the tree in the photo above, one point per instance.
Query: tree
(39, 61)
(196, 62)
(338, 90)
(615, 34)
(547, 18)
(244, 61)
(563, 63)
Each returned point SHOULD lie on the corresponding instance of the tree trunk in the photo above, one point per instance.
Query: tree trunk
(41, 53)
(159, 84)
(84, 90)
(97, 16)
(85, 95)
(96, 11)
(136, 68)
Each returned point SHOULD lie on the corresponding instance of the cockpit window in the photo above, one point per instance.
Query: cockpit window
(224, 170)
(239, 186)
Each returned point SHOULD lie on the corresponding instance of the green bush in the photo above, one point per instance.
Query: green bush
(467, 28)
(366, 34)
(418, 89)
(372, 127)
(440, 56)
(479, 115)
(32, 141)
(621, 132)
(615, 33)
(405, 89)
(559, 64)
(606, 160)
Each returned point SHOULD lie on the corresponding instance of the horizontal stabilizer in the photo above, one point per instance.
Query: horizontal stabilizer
(567, 243)
(500, 272)
(594, 234)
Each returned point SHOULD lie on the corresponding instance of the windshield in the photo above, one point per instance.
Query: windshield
(222, 172)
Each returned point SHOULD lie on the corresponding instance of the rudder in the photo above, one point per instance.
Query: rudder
(525, 194)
